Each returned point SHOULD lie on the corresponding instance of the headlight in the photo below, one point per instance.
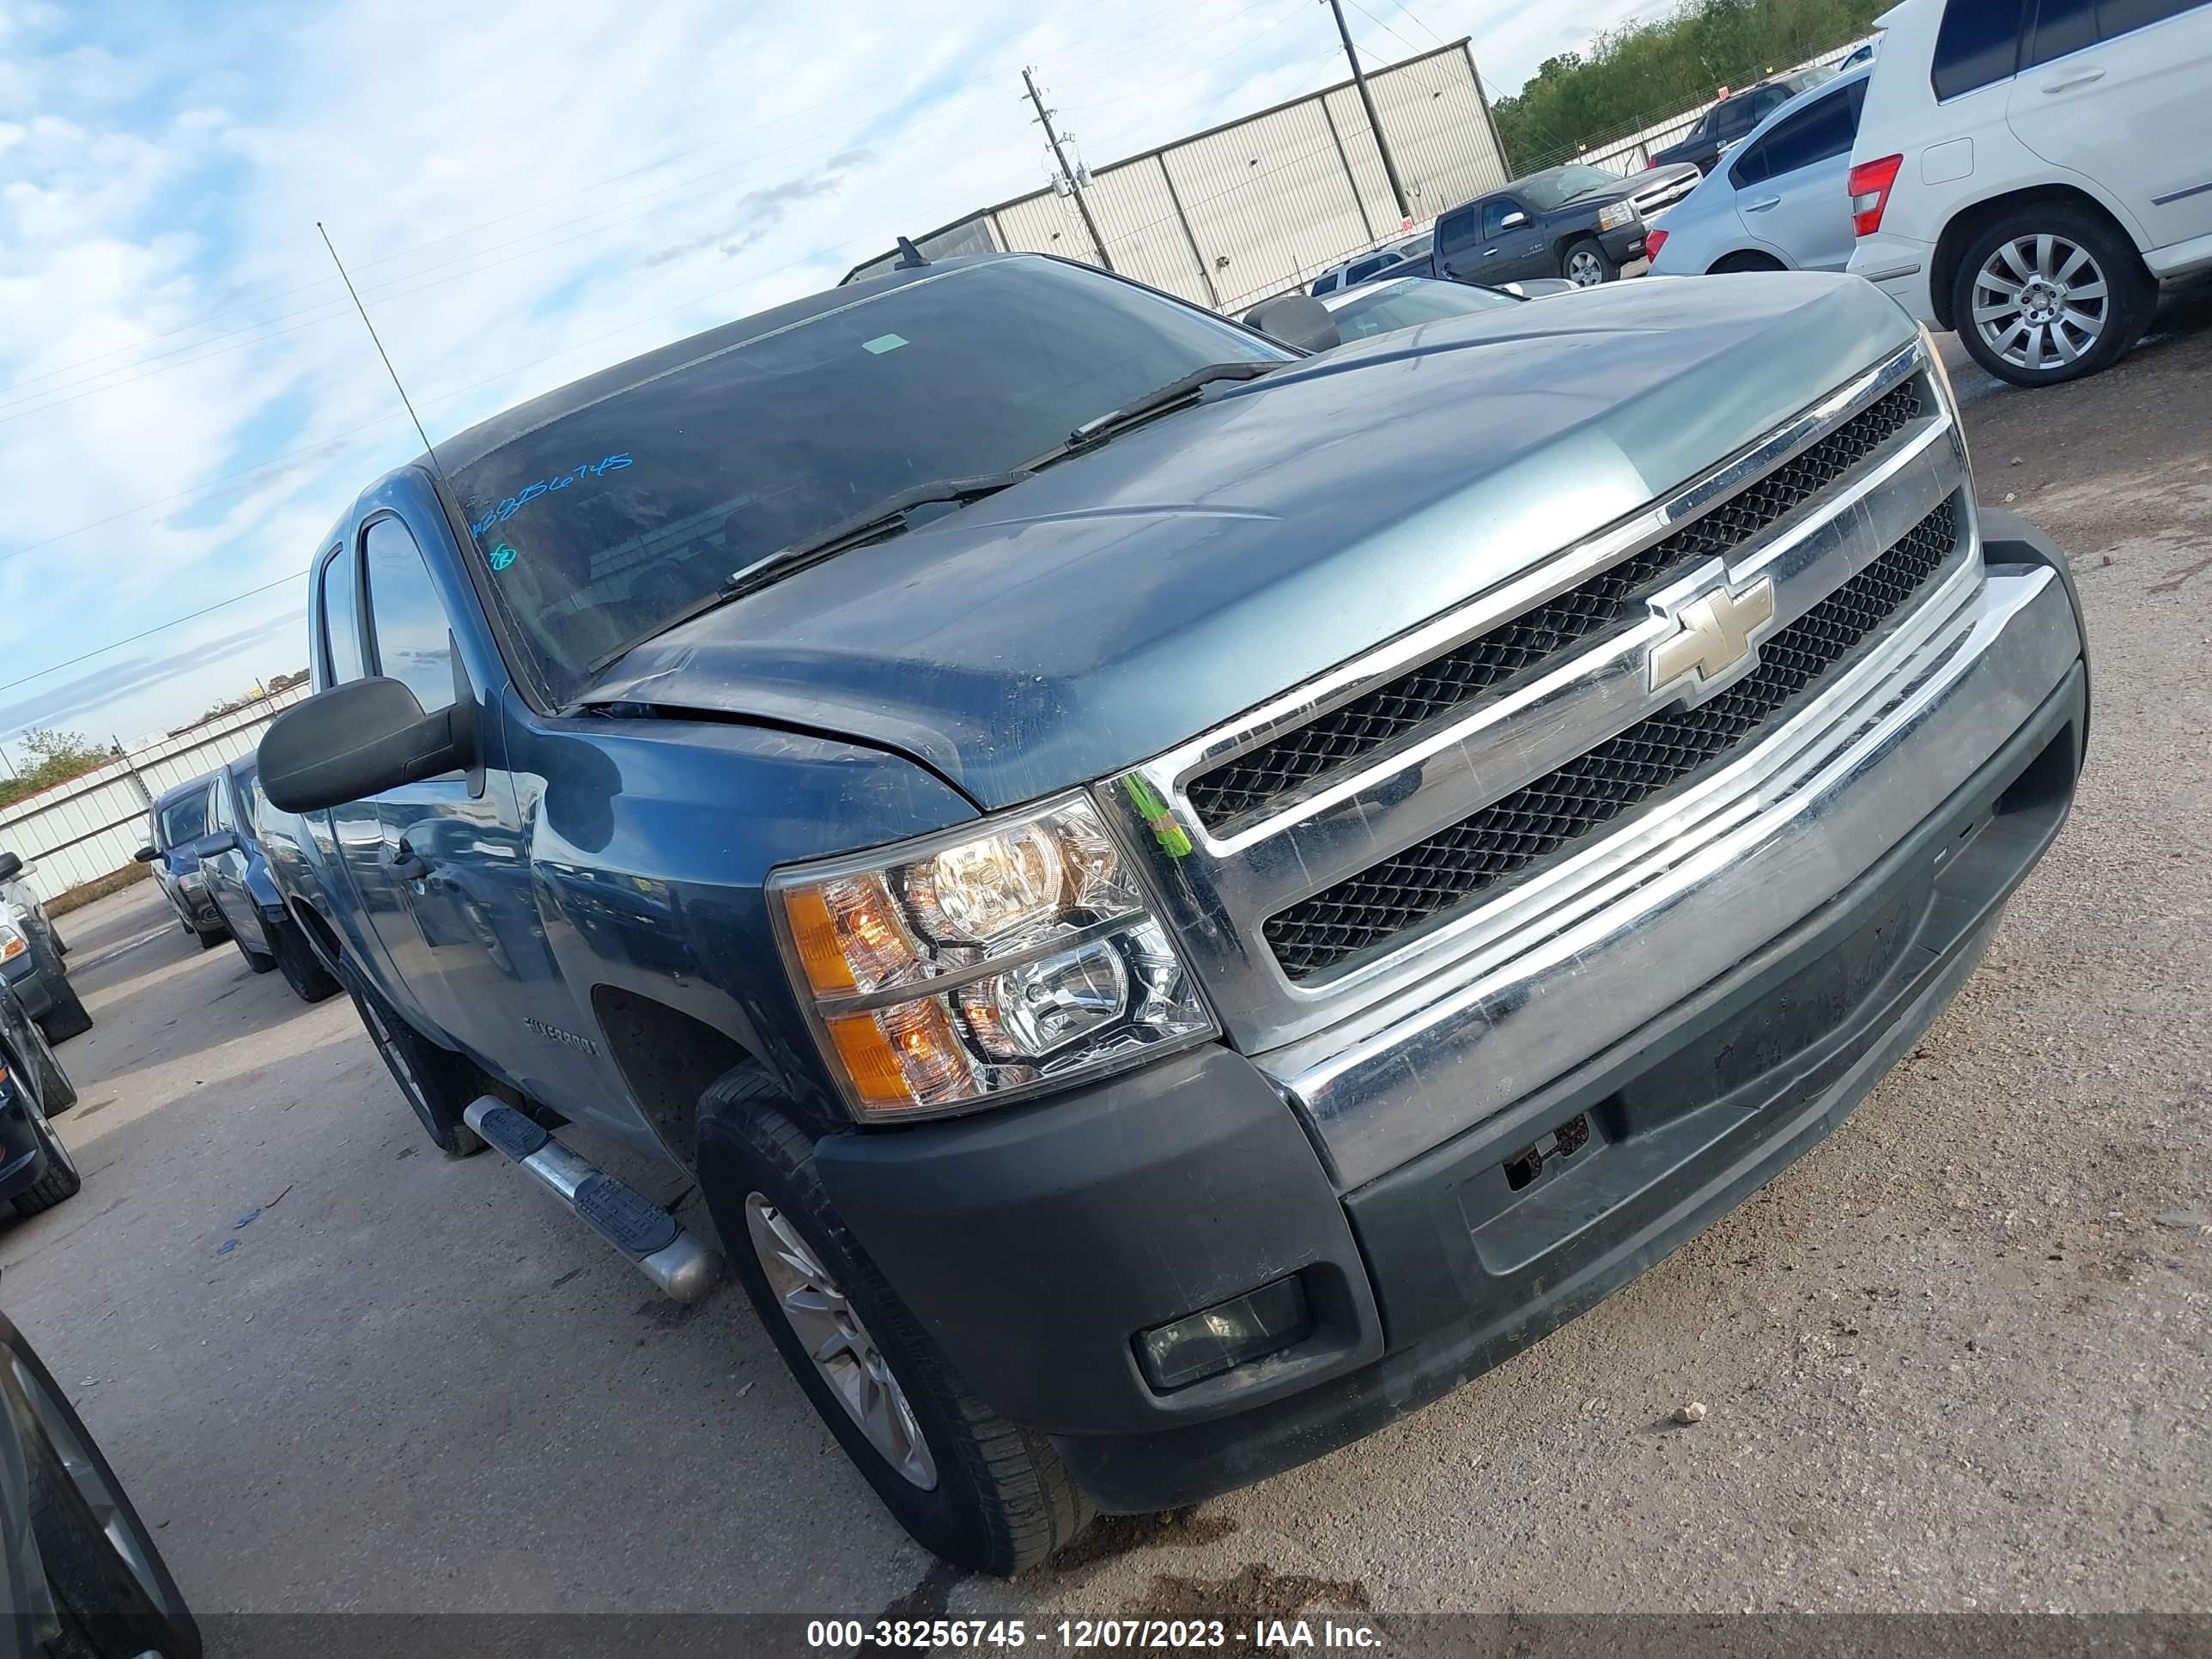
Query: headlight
(1614, 217)
(988, 962)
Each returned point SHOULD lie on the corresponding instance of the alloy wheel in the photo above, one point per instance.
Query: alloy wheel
(839, 1344)
(1584, 269)
(2041, 302)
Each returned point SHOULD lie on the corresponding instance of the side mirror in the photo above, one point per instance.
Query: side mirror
(1513, 221)
(221, 840)
(146, 854)
(11, 865)
(1296, 319)
(358, 740)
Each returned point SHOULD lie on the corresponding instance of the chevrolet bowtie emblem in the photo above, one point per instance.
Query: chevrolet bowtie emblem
(1713, 634)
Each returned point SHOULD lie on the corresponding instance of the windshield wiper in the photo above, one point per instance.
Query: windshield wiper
(1174, 395)
(886, 518)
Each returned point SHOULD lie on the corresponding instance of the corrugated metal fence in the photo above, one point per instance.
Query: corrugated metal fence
(1240, 211)
(87, 827)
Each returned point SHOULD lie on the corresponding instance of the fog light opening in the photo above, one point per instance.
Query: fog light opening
(1218, 1338)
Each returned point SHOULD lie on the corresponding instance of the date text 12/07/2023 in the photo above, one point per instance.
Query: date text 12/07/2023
(1074, 1635)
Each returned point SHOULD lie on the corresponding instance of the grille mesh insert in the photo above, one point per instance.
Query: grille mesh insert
(1249, 781)
(1433, 876)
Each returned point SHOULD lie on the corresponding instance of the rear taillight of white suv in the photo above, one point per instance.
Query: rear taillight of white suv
(1869, 187)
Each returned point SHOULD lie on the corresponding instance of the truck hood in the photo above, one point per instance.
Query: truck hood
(1120, 603)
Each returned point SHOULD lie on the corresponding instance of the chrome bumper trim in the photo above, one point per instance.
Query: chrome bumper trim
(1675, 899)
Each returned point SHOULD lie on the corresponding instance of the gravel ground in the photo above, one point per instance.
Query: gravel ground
(1955, 1358)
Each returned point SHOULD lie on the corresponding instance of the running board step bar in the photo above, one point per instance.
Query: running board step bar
(654, 1240)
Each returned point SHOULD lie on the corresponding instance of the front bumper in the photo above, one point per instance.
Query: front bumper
(26, 978)
(1623, 244)
(1034, 1245)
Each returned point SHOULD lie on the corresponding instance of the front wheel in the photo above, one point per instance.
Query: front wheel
(295, 959)
(1587, 264)
(112, 1594)
(68, 1016)
(2048, 294)
(58, 1179)
(259, 961)
(977, 1490)
(436, 1083)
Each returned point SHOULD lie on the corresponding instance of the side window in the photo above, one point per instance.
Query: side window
(2117, 17)
(340, 618)
(1978, 43)
(1736, 117)
(1327, 284)
(1820, 131)
(414, 638)
(218, 807)
(2060, 27)
(1456, 230)
(1493, 216)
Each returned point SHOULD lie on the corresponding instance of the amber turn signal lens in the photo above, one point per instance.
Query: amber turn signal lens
(905, 1056)
(14, 948)
(815, 937)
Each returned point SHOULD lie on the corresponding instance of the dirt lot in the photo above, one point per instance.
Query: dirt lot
(1956, 1358)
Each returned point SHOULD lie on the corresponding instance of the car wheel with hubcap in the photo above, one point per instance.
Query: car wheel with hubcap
(1587, 266)
(2048, 294)
(980, 1492)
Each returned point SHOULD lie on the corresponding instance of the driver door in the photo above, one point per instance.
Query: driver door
(1513, 245)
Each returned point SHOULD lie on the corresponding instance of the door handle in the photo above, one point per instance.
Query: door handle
(404, 865)
(1490, 253)
(1762, 204)
(2079, 78)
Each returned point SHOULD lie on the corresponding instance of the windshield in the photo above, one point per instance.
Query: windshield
(184, 820)
(600, 524)
(1562, 184)
(1410, 303)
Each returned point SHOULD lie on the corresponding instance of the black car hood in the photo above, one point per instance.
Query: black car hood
(1118, 603)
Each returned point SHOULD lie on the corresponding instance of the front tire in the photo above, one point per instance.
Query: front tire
(256, 960)
(58, 1179)
(436, 1083)
(209, 940)
(979, 1491)
(295, 959)
(2048, 294)
(68, 1016)
(1586, 264)
(112, 1591)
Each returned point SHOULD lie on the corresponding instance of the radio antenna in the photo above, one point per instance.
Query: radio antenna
(380, 351)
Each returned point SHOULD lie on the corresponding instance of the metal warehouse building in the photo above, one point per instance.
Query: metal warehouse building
(1244, 210)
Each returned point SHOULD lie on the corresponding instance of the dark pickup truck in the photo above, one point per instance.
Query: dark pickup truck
(1171, 913)
(1576, 221)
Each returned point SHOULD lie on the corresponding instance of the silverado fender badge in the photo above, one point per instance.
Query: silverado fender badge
(555, 1034)
(1715, 637)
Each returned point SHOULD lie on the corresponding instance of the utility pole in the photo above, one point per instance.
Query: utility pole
(1044, 120)
(1374, 122)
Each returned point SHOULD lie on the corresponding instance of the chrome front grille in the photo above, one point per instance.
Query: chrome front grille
(1438, 805)
(1522, 647)
(1367, 911)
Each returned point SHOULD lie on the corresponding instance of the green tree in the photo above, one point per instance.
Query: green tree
(1631, 77)
(51, 758)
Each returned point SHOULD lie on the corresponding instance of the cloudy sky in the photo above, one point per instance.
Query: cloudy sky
(524, 192)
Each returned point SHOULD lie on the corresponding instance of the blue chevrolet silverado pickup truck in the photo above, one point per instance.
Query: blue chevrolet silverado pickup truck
(1176, 899)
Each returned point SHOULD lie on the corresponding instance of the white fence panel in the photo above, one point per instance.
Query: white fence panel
(88, 826)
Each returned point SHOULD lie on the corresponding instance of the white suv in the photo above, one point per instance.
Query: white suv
(2027, 171)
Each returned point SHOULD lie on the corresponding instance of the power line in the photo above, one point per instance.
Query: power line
(148, 633)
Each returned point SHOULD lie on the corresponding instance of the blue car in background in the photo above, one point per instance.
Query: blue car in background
(178, 821)
(234, 869)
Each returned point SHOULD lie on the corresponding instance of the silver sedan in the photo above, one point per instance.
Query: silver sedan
(1778, 201)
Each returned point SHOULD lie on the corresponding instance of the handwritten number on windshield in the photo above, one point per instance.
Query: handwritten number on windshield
(521, 498)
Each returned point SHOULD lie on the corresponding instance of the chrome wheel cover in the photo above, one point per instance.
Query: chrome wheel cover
(2041, 302)
(1584, 269)
(839, 1344)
